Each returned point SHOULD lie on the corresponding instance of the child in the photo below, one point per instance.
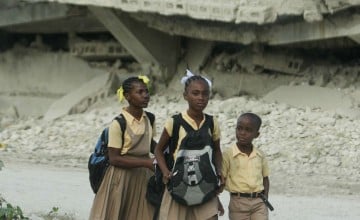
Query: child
(122, 191)
(246, 172)
(196, 93)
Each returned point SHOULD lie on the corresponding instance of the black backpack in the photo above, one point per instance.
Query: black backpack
(194, 179)
(99, 161)
(156, 187)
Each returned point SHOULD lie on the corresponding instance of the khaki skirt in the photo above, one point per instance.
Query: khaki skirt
(171, 210)
(122, 195)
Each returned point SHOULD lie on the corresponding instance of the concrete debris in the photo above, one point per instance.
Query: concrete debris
(198, 52)
(224, 10)
(336, 5)
(313, 15)
(255, 61)
(310, 96)
(81, 99)
(256, 14)
(298, 141)
(99, 50)
(282, 62)
(47, 74)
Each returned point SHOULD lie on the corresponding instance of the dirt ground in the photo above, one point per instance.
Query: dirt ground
(39, 188)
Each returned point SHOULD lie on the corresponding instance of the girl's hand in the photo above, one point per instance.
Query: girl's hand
(150, 164)
(166, 177)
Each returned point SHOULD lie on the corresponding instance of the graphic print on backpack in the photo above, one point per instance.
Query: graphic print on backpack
(194, 179)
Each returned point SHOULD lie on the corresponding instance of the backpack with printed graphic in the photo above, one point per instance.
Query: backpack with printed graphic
(194, 179)
(99, 161)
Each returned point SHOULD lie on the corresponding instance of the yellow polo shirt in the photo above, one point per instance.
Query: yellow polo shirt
(137, 127)
(182, 133)
(244, 173)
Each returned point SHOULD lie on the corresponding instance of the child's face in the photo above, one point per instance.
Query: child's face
(197, 95)
(138, 96)
(246, 131)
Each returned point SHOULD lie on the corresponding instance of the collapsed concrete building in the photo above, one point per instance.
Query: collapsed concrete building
(150, 30)
(165, 36)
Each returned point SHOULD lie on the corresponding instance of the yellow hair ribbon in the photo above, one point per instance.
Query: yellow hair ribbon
(120, 94)
(145, 79)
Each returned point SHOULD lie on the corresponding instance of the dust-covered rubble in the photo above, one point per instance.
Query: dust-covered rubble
(301, 143)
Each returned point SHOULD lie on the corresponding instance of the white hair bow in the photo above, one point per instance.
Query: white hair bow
(190, 74)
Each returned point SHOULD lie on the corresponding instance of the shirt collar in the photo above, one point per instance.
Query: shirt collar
(191, 121)
(235, 152)
(131, 118)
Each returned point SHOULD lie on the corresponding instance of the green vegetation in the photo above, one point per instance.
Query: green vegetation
(54, 215)
(10, 212)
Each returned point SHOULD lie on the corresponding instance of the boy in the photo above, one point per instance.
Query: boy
(246, 172)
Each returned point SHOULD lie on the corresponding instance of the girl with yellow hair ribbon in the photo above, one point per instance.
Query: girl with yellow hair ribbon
(120, 91)
(122, 193)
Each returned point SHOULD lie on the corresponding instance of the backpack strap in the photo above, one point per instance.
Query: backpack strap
(104, 136)
(210, 120)
(151, 117)
(122, 122)
(179, 120)
(175, 134)
(209, 123)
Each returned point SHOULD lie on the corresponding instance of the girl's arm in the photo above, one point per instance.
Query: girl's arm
(159, 155)
(126, 161)
(266, 183)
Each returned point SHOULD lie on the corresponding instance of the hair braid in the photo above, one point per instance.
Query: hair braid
(128, 83)
(194, 78)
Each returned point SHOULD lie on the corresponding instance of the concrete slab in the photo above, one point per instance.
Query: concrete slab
(38, 73)
(32, 13)
(25, 105)
(201, 9)
(310, 96)
(80, 99)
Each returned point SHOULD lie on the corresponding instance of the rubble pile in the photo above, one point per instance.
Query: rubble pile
(300, 142)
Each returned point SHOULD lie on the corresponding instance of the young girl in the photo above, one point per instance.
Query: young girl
(122, 191)
(196, 93)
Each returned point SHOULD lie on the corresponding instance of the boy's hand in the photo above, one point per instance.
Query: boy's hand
(222, 183)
